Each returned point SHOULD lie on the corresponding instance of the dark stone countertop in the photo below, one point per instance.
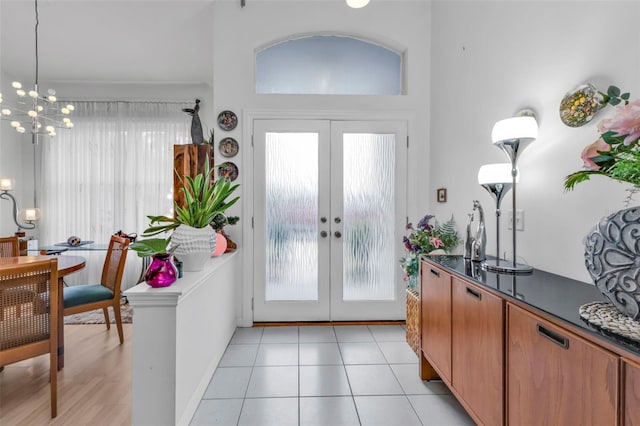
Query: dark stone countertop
(553, 294)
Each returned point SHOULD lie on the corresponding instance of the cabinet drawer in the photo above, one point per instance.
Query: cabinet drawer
(556, 377)
(435, 305)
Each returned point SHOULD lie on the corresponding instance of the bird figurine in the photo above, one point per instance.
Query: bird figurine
(197, 137)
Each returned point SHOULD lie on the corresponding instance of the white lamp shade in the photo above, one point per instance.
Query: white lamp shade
(30, 214)
(525, 128)
(357, 4)
(496, 173)
(7, 184)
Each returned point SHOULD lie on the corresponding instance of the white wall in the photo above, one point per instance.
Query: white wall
(16, 161)
(239, 32)
(490, 59)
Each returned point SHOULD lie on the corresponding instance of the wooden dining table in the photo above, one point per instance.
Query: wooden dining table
(66, 265)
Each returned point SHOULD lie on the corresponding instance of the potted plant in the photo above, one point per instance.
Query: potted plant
(218, 223)
(161, 272)
(192, 233)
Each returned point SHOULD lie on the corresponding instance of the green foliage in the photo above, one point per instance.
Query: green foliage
(150, 246)
(203, 202)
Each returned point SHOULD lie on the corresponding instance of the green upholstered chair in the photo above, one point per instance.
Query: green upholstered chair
(87, 297)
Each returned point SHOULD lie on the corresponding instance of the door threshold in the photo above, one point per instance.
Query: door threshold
(325, 323)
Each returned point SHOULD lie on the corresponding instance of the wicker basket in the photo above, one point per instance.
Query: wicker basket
(413, 320)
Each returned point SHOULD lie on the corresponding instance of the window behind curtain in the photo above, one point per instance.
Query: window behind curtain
(110, 171)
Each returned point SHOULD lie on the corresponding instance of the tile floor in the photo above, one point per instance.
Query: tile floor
(324, 375)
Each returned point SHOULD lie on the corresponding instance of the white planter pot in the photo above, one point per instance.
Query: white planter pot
(195, 246)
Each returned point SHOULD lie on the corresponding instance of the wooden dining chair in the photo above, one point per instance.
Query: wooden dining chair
(34, 288)
(9, 246)
(87, 297)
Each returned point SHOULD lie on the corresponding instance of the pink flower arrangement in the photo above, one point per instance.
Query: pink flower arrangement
(616, 153)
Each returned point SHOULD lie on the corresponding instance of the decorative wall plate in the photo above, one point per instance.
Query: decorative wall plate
(227, 120)
(580, 105)
(228, 147)
(229, 170)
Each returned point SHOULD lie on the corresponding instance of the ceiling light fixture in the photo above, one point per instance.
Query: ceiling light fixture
(36, 113)
(357, 4)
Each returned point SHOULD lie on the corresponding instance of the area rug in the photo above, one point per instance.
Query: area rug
(97, 317)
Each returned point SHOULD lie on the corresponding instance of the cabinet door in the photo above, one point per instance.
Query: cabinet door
(631, 395)
(435, 305)
(477, 355)
(555, 377)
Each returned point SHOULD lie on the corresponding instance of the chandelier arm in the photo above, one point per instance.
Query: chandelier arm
(6, 196)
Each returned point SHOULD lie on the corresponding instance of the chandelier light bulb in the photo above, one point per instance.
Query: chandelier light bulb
(40, 108)
(66, 120)
(70, 107)
(69, 125)
(20, 129)
(6, 111)
(50, 129)
(15, 124)
(38, 125)
(33, 93)
(52, 99)
(21, 93)
(16, 85)
(65, 111)
(32, 114)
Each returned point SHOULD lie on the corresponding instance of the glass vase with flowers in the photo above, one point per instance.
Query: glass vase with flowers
(426, 238)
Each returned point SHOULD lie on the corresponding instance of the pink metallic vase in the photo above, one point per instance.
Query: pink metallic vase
(162, 272)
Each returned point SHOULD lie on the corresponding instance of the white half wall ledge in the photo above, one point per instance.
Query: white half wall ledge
(180, 333)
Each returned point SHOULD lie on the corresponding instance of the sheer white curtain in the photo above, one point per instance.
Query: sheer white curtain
(110, 171)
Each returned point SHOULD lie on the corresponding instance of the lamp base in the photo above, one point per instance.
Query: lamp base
(502, 266)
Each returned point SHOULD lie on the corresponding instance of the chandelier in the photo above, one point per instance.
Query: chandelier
(36, 113)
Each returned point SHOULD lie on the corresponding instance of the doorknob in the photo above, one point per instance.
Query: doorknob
(338, 234)
(337, 220)
(323, 219)
(323, 234)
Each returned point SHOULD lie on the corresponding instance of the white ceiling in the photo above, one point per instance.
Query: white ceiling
(108, 41)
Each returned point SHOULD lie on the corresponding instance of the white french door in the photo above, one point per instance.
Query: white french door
(329, 201)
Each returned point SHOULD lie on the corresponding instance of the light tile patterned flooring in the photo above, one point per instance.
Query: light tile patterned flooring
(324, 375)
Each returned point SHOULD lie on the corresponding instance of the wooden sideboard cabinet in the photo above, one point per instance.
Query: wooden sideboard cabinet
(477, 356)
(556, 377)
(435, 307)
(631, 392)
(523, 360)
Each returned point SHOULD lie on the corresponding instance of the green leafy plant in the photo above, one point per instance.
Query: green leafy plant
(203, 202)
(220, 220)
(152, 246)
(616, 153)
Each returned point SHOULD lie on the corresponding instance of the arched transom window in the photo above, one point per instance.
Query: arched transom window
(328, 65)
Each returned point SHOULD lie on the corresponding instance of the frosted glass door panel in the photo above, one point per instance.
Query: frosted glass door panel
(369, 266)
(291, 183)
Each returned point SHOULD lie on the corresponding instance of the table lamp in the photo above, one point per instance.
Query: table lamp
(496, 179)
(512, 136)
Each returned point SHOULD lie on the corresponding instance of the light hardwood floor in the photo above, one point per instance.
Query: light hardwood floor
(94, 388)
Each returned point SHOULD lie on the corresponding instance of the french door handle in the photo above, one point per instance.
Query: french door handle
(323, 219)
(338, 234)
(323, 234)
(337, 219)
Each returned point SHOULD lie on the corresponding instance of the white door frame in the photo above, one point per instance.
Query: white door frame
(245, 292)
